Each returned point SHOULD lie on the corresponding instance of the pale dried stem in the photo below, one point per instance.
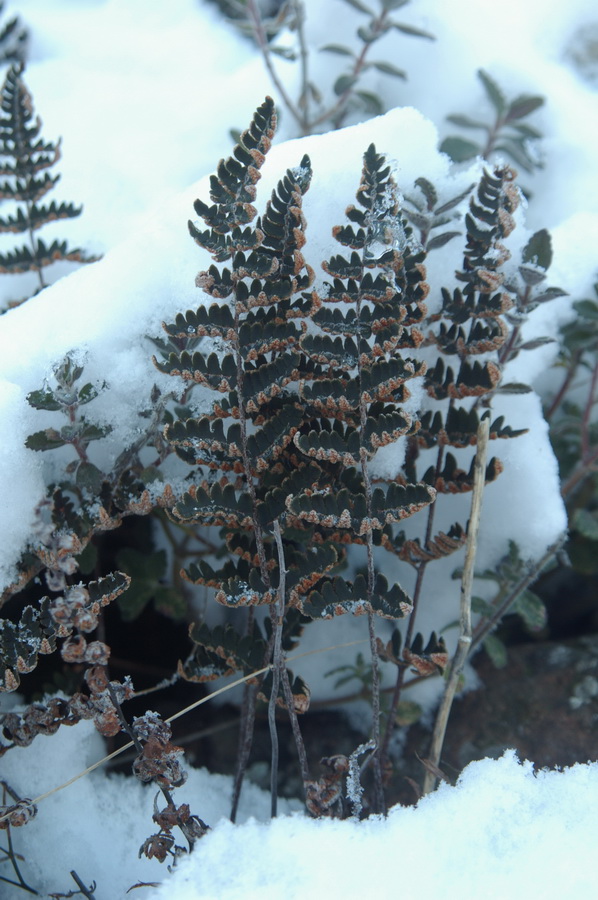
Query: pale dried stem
(465, 628)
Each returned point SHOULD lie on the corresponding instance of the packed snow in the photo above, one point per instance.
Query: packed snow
(144, 96)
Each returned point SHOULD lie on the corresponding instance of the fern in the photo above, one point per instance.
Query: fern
(25, 161)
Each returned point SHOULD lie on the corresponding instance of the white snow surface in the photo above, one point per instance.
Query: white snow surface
(144, 96)
(502, 831)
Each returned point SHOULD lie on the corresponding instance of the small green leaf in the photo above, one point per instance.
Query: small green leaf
(532, 275)
(538, 249)
(367, 34)
(408, 712)
(93, 432)
(523, 106)
(518, 152)
(526, 130)
(344, 83)
(87, 560)
(371, 102)
(586, 308)
(514, 387)
(496, 650)
(388, 69)
(586, 523)
(393, 4)
(284, 52)
(87, 393)
(361, 7)
(44, 400)
(467, 122)
(412, 31)
(454, 201)
(428, 190)
(459, 149)
(50, 439)
(531, 609)
(535, 343)
(548, 294)
(89, 478)
(339, 49)
(146, 571)
(481, 607)
(493, 91)
(149, 566)
(439, 240)
(170, 602)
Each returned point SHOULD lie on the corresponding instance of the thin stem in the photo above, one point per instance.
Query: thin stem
(465, 635)
(560, 394)
(300, 22)
(29, 207)
(245, 730)
(262, 41)
(421, 571)
(11, 851)
(586, 468)
(87, 892)
(277, 612)
(245, 744)
(379, 801)
(493, 135)
(585, 422)
(299, 743)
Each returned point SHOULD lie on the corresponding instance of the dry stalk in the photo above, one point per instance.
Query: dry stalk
(465, 635)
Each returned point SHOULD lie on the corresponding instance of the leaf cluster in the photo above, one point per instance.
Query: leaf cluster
(507, 133)
(37, 629)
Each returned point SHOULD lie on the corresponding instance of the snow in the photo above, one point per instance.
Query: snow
(144, 96)
(502, 830)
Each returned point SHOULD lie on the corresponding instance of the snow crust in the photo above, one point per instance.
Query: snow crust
(503, 830)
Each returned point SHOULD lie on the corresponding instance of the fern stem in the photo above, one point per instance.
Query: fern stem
(299, 742)
(259, 537)
(277, 613)
(421, 571)
(245, 743)
(38, 269)
(367, 484)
